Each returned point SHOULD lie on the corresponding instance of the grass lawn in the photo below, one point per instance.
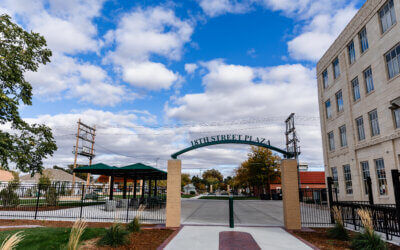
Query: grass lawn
(188, 195)
(227, 198)
(49, 237)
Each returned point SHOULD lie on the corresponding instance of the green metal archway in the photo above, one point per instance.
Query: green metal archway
(247, 142)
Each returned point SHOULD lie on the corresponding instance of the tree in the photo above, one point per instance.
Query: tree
(24, 144)
(259, 170)
(70, 170)
(213, 177)
(185, 179)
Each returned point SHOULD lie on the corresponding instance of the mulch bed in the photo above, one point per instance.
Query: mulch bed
(48, 223)
(146, 239)
(319, 238)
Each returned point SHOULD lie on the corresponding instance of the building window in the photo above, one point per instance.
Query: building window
(369, 82)
(373, 120)
(328, 109)
(343, 136)
(363, 40)
(339, 101)
(365, 174)
(352, 52)
(325, 78)
(335, 179)
(331, 141)
(381, 174)
(396, 116)
(393, 61)
(347, 179)
(387, 16)
(356, 89)
(336, 68)
(360, 128)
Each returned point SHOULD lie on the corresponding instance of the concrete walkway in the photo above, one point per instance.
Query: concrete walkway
(208, 237)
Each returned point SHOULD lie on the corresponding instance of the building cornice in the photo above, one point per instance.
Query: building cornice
(367, 11)
(379, 140)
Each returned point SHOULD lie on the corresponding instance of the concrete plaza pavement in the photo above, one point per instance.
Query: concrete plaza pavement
(207, 237)
(246, 212)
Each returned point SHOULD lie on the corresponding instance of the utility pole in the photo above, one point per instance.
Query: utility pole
(84, 146)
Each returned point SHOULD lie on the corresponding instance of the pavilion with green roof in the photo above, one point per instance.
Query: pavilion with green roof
(137, 171)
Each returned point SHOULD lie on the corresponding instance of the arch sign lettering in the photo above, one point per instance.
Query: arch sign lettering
(231, 139)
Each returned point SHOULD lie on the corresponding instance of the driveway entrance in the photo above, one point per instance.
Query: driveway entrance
(246, 212)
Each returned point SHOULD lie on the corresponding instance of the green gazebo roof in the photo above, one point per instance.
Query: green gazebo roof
(137, 170)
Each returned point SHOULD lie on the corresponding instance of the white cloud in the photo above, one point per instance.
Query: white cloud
(68, 29)
(65, 77)
(190, 68)
(316, 37)
(142, 34)
(235, 92)
(149, 75)
(303, 9)
(218, 7)
(66, 25)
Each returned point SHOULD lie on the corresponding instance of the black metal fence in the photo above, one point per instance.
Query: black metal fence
(315, 211)
(385, 217)
(92, 203)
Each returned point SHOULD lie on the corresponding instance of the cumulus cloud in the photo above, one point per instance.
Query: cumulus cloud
(234, 92)
(316, 37)
(142, 34)
(321, 21)
(66, 25)
(218, 7)
(122, 139)
(190, 68)
(67, 78)
(68, 29)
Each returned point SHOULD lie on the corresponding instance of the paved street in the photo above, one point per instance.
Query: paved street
(246, 212)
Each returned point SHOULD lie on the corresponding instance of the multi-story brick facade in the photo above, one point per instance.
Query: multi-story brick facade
(359, 101)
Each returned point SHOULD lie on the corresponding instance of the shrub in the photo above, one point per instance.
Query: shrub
(8, 195)
(28, 192)
(338, 231)
(192, 192)
(368, 239)
(134, 225)
(116, 235)
(52, 196)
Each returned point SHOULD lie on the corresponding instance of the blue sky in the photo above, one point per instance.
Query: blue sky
(133, 68)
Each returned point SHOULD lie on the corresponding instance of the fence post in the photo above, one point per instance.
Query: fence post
(370, 196)
(82, 197)
(231, 221)
(330, 197)
(396, 187)
(37, 201)
(127, 205)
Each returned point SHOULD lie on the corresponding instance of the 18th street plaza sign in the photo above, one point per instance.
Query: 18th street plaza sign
(231, 139)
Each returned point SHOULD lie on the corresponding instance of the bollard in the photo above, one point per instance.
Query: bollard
(231, 221)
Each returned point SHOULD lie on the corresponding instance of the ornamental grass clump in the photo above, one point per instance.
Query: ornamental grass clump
(11, 243)
(338, 232)
(368, 239)
(115, 236)
(134, 225)
(76, 232)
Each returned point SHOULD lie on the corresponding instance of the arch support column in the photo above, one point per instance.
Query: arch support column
(290, 194)
(173, 209)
